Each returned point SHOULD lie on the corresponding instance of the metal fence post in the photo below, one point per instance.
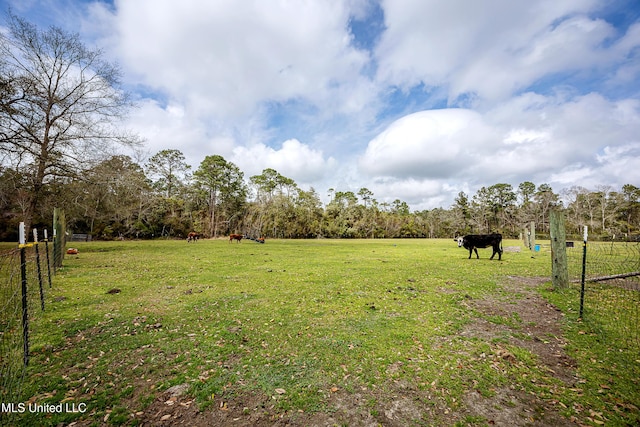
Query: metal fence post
(584, 270)
(25, 315)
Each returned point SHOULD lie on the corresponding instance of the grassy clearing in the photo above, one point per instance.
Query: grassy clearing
(291, 325)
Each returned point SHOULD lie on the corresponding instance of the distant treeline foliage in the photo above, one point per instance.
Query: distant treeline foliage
(119, 198)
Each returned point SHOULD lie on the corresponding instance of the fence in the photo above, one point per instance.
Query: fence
(610, 297)
(606, 276)
(25, 276)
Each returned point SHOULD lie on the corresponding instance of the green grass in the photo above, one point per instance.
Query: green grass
(310, 317)
(609, 374)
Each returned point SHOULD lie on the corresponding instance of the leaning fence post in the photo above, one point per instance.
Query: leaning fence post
(584, 269)
(35, 242)
(560, 270)
(23, 272)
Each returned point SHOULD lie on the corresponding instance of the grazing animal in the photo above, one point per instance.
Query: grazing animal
(474, 241)
(238, 237)
(193, 237)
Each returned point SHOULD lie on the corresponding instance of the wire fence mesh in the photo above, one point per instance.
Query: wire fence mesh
(13, 329)
(611, 290)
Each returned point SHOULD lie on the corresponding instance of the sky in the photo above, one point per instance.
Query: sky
(416, 100)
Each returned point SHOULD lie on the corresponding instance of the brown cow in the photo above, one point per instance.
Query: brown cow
(238, 237)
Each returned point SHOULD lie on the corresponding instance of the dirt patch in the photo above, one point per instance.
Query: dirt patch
(513, 408)
(530, 322)
(401, 408)
(519, 316)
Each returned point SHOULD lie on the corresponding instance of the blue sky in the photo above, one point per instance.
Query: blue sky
(415, 100)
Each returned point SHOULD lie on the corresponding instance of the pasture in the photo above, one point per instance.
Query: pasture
(316, 332)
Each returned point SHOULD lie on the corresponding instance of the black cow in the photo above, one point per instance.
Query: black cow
(474, 241)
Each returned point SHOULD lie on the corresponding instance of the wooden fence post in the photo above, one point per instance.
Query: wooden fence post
(532, 236)
(59, 237)
(559, 268)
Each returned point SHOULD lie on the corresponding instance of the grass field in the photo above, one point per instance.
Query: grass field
(316, 332)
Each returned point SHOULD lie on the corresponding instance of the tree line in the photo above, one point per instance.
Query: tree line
(119, 198)
(62, 106)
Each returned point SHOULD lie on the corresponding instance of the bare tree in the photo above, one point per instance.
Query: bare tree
(61, 105)
(607, 209)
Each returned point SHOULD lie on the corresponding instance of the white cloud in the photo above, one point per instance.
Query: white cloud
(172, 128)
(432, 155)
(294, 160)
(492, 48)
(434, 143)
(566, 132)
(618, 165)
(225, 57)
(525, 136)
(419, 193)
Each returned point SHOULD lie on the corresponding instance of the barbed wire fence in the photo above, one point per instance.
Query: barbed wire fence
(25, 276)
(607, 275)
